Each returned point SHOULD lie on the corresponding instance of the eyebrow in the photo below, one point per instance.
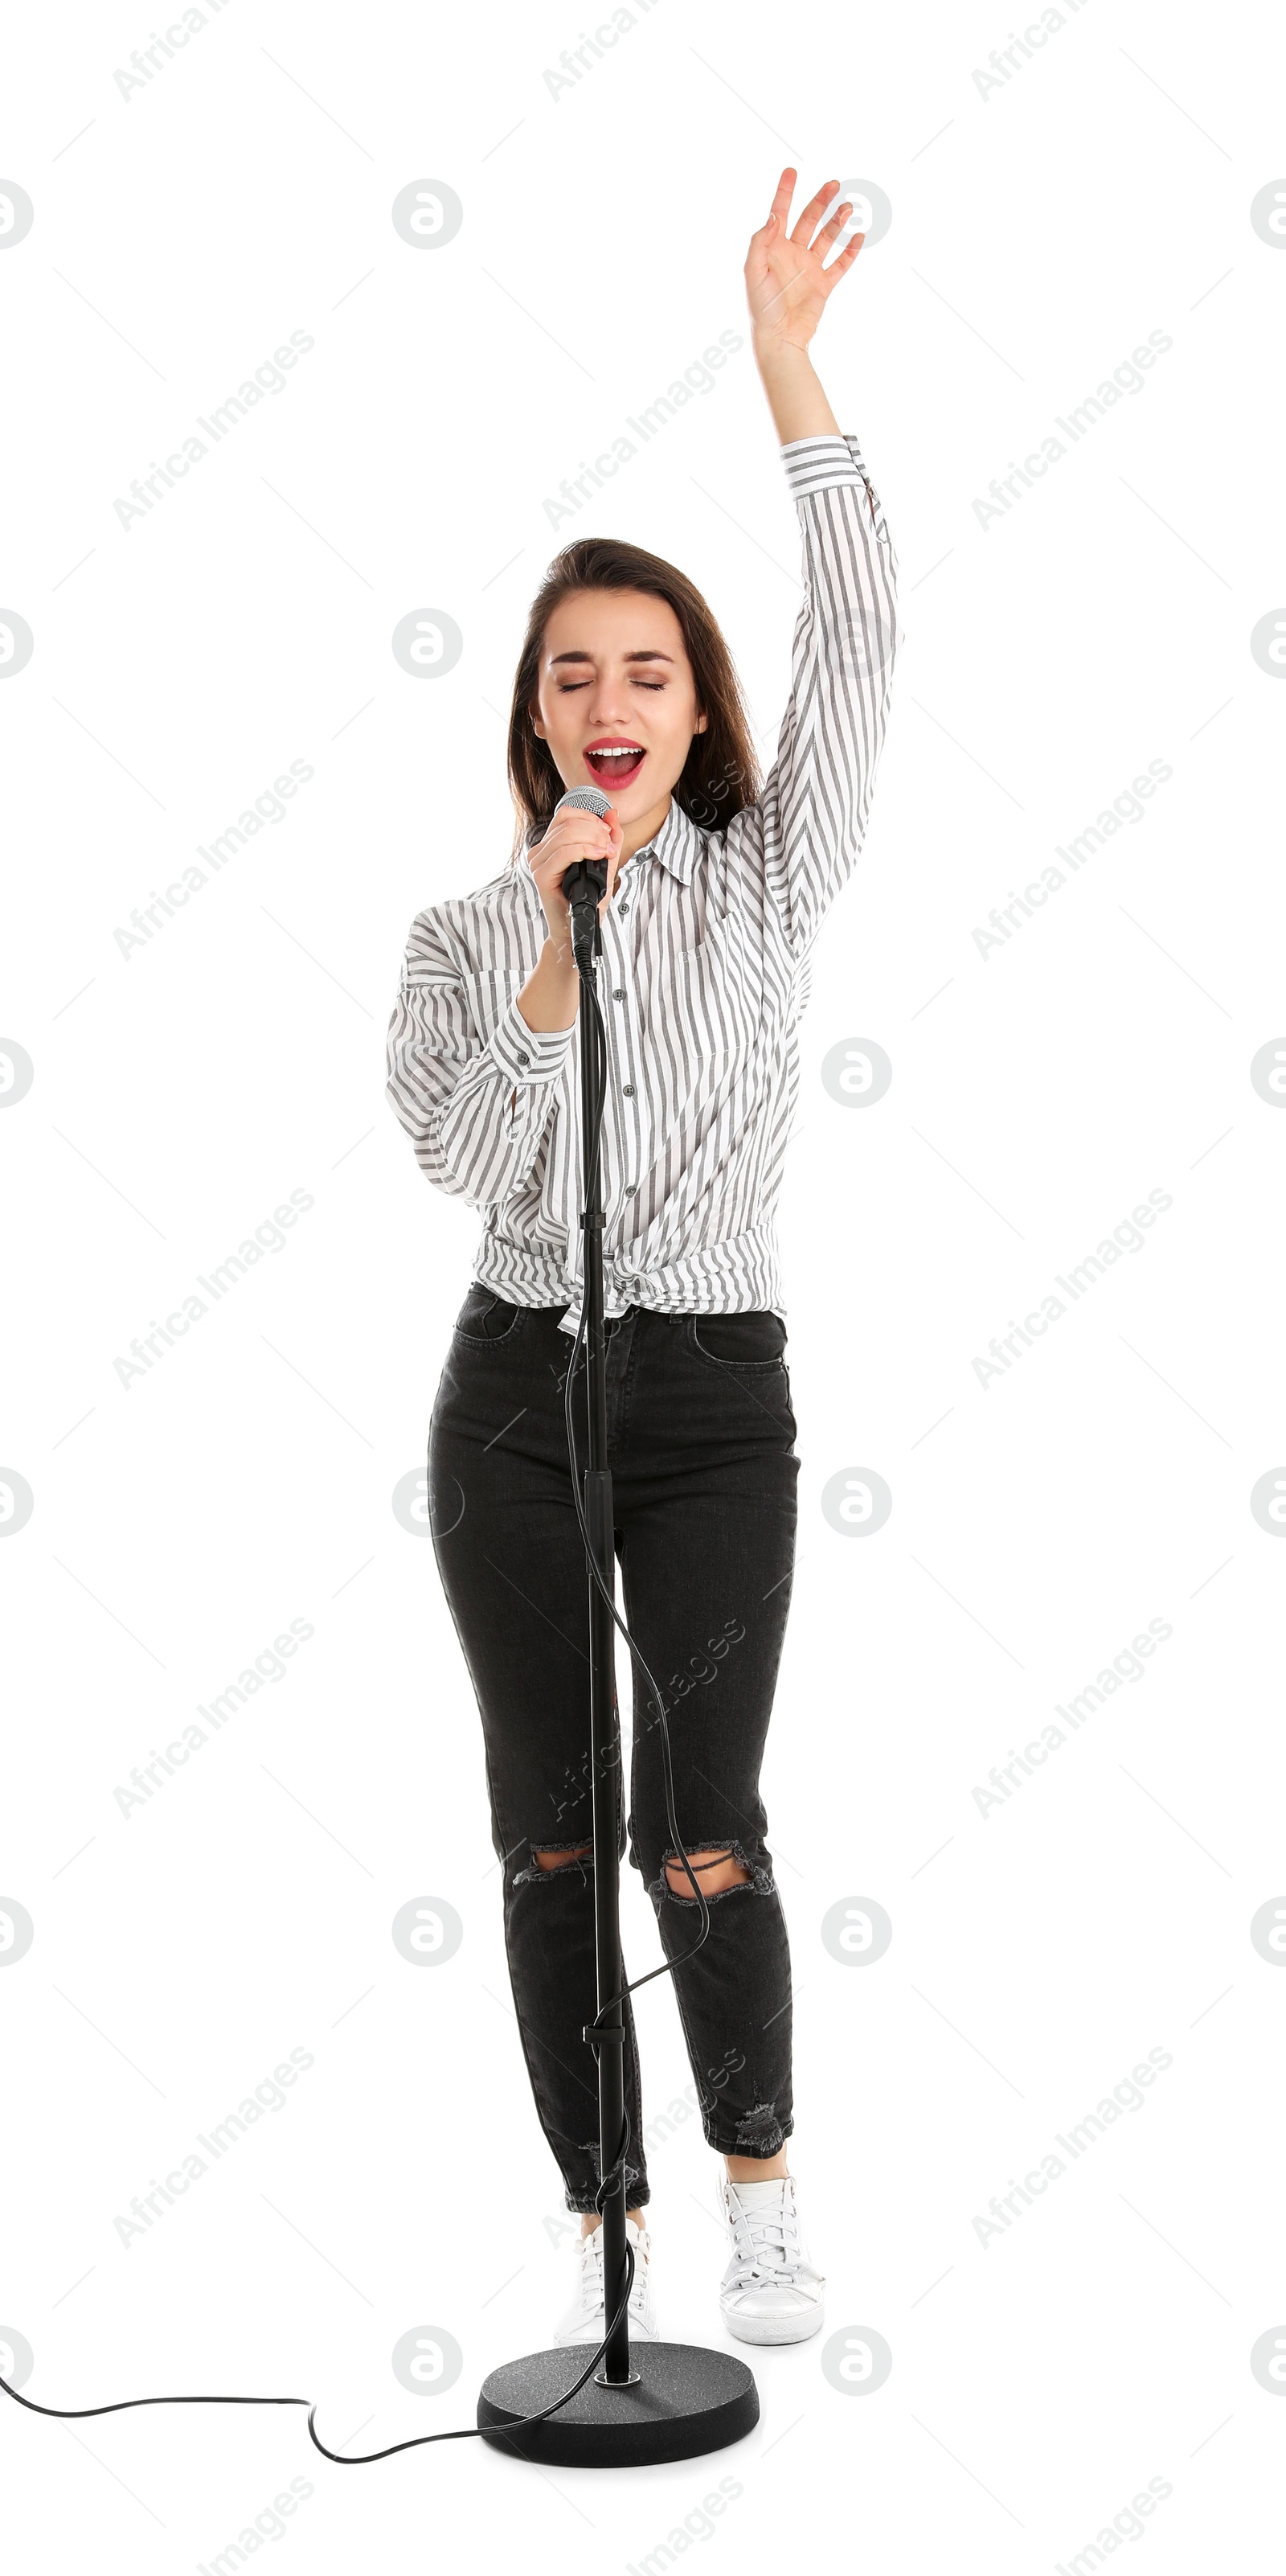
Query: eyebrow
(643, 655)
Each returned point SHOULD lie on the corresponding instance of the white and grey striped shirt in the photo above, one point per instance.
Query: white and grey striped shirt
(702, 982)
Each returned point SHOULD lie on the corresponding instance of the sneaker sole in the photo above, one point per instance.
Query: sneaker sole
(765, 2330)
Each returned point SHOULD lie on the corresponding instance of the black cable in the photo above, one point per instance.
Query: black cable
(351, 2459)
(473, 2432)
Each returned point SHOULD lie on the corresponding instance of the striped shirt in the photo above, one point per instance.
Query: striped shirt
(702, 982)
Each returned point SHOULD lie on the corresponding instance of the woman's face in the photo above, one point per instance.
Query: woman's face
(616, 702)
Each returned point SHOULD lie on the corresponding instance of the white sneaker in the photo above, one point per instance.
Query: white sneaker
(585, 2321)
(770, 2292)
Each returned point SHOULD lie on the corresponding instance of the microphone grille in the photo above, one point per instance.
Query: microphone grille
(584, 800)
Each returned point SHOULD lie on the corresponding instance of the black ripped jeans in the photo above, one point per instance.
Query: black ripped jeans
(701, 1449)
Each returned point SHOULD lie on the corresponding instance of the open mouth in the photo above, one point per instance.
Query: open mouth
(614, 763)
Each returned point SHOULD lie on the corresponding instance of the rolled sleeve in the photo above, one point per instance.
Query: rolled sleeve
(528, 1056)
(825, 465)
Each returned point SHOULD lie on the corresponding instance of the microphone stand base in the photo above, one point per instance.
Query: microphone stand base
(684, 2402)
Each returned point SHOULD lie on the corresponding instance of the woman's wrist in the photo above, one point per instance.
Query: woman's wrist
(550, 998)
(796, 397)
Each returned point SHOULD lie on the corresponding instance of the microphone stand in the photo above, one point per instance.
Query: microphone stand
(659, 2401)
(604, 1736)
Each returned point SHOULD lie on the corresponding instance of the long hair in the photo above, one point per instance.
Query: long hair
(720, 774)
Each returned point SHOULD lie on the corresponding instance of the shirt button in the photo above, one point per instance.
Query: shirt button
(628, 1090)
(524, 1059)
(630, 1188)
(618, 994)
(623, 908)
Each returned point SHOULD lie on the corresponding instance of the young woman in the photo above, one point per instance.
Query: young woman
(716, 889)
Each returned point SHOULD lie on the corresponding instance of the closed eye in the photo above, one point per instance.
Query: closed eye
(566, 687)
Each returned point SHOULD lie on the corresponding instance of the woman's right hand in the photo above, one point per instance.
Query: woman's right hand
(573, 834)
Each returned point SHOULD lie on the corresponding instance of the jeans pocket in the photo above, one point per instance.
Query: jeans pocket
(754, 1341)
(486, 1317)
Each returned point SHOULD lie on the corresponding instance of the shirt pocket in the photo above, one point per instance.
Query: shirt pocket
(716, 1026)
(488, 994)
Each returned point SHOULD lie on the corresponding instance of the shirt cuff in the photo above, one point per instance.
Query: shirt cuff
(818, 464)
(526, 1055)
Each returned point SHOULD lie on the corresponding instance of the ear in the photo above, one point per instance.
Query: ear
(702, 723)
(536, 724)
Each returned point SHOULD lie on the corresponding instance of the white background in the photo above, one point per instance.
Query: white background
(1040, 232)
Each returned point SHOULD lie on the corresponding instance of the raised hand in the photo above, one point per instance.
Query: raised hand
(786, 282)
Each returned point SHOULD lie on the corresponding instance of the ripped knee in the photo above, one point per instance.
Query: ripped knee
(560, 1855)
(713, 1868)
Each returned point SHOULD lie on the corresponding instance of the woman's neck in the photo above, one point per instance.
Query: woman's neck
(637, 835)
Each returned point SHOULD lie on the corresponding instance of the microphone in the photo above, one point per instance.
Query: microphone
(584, 883)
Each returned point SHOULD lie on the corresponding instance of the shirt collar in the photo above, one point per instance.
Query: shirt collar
(677, 845)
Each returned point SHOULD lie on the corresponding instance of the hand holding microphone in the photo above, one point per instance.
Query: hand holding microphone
(583, 831)
(580, 838)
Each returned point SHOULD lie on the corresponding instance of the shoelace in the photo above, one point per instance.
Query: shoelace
(765, 2241)
(591, 2279)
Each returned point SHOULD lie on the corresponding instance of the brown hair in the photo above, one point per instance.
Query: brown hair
(720, 774)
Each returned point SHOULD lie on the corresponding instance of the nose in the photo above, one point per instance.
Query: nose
(608, 702)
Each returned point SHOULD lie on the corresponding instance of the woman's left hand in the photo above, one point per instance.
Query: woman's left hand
(786, 282)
